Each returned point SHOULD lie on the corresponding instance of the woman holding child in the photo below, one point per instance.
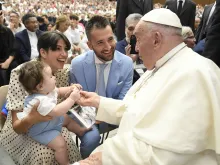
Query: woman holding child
(52, 47)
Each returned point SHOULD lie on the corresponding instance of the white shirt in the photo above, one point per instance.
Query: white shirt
(33, 42)
(74, 35)
(182, 3)
(106, 71)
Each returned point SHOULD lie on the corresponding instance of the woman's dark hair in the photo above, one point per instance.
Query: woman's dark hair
(97, 22)
(48, 41)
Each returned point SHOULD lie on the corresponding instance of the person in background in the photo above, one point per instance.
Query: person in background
(188, 37)
(26, 40)
(15, 23)
(124, 46)
(7, 52)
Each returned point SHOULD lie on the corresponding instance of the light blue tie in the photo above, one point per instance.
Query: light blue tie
(101, 80)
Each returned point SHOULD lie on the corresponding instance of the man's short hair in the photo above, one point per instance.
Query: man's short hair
(74, 17)
(26, 17)
(45, 16)
(133, 17)
(98, 22)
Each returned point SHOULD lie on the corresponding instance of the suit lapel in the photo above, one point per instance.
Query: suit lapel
(207, 13)
(27, 40)
(114, 75)
(137, 2)
(185, 6)
(89, 69)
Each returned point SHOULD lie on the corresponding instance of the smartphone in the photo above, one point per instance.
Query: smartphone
(133, 44)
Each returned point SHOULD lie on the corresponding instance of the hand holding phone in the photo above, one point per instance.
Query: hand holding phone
(133, 44)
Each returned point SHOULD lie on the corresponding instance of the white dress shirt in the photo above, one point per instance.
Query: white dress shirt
(182, 3)
(33, 42)
(211, 12)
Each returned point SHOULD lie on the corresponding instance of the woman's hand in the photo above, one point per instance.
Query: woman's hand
(22, 126)
(36, 117)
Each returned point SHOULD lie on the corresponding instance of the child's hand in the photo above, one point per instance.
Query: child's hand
(75, 94)
(76, 85)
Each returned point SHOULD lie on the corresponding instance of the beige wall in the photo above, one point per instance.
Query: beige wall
(203, 2)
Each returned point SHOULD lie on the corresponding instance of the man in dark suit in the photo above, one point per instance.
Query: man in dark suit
(26, 40)
(212, 48)
(185, 9)
(205, 22)
(126, 7)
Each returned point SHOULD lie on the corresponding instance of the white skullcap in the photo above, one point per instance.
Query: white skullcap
(162, 16)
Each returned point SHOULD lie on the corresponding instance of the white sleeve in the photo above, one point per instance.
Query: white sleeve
(126, 149)
(110, 110)
(46, 105)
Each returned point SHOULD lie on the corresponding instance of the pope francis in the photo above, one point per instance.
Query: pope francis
(171, 115)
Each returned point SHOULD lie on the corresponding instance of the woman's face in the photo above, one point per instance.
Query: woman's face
(56, 59)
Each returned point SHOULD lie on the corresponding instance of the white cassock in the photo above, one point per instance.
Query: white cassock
(171, 116)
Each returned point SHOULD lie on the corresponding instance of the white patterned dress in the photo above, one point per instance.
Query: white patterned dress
(22, 149)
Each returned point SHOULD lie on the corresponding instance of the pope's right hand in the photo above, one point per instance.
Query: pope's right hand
(89, 99)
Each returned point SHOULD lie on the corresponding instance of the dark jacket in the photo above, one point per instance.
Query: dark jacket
(23, 46)
(201, 31)
(126, 7)
(188, 12)
(212, 48)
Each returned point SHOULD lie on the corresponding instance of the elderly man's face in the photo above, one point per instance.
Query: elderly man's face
(145, 43)
(129, 29)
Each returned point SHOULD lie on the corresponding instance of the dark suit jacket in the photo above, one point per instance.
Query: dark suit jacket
(23, 46)
(200, 33)
(212, 48)
(188, 12)
(126, 7)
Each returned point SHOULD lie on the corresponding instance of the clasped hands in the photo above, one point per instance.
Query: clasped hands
(83, 98)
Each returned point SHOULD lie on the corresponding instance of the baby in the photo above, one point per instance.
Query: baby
(38, 80)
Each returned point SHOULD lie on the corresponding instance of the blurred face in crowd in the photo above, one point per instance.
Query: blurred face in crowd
(190, 40)
(32, 24)
(14, 18)
(63, 26)
(73, 23)
(49, 27)
(129, 29)
(55, 59)
(103, 43)
(197, 22)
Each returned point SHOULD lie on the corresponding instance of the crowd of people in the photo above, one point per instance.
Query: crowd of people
(58, 55)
